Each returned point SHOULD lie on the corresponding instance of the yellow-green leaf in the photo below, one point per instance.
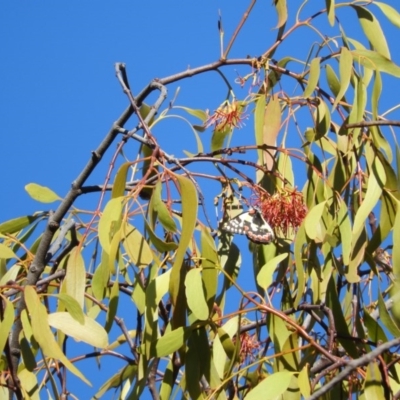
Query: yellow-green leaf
(75, 277)
(171, 342)
(375, 61)
(189, 212)
(43, 334)
(119, 185)
(270, 130)
(41, 193)
(345, 70)
(15, 225)
(195, 294)
(227, 343)
(272, 387)
(374, 388)
(313, 77)
(6, 252)
(7, 322)
(161, 210)
(374, 191)
(372, 30)
(109, 222)
(281, 9)
(396, 240)
(313, 222)
(10, 275)
(344, 224)
(391, 13)
(136, 246)
(112, 306)
(91, 332)
(266, 274)
(159, 244)
(303, 381)
(259, 115)
(323, 120)
(219, 137)
(211, 266)
(72, 306)
(200, 114)
(330, 5)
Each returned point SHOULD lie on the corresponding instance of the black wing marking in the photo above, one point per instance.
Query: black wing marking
(252, 224)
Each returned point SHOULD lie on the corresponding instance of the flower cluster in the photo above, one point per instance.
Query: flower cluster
(228, 115)
(284, 210)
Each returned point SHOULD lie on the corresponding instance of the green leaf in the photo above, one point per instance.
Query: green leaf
(259, 115)
(375, 61)
(91, 332)
(72, 306)
(159, 244)
(313, 77)
(110, 221)
(272, 387)
(323, 119)
(298, 256)
(17, 224)
(195, 294)
(112, 306)
(119, 186)
(29, 384)
(6, 252)
(200, 114)
(41, 193)
(75, 277)
(171, 341)
(345, 70)
(390, 13)
(197, 361)
(189, 212)
(266, 274)
(372, 30)
(281, 9)
(396, 241)
(279, 331)
(10, 275)
(272, 119)
(332, 301)
(344, 224)
(384, 315)
(6, 323)
(42, 331)
(210, 267)
(127, 373)
(303, 381)
(136, 246)
(161, 210)
(332, 79)
(219, 137)
(330, 6)
(101, 276)
(374, 388)
(227, 343)
(375, 331)
(376, 94)
(313, 222)
(376, 181)
(219, 354)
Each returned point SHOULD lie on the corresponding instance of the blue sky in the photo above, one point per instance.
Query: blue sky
(58, 91)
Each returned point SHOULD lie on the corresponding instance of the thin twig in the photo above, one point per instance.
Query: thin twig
(352, 365)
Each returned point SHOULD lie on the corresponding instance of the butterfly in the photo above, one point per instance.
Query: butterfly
(252, 224)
